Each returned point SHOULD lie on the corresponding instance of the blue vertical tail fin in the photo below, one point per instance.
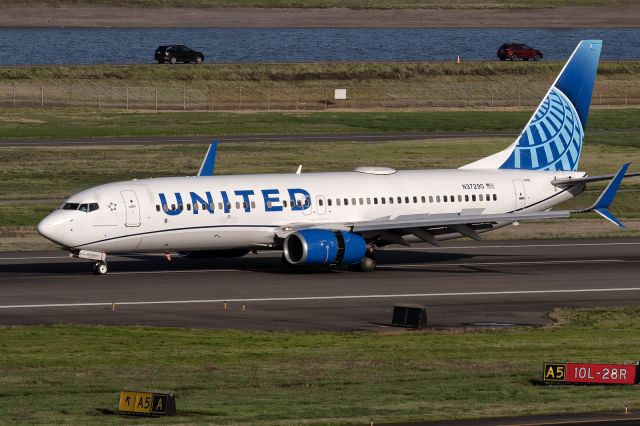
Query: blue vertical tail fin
(552, 139)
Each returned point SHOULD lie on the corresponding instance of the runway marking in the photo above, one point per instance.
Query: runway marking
(311, 298)
(513, 246)
(34, 257)
(548, 262)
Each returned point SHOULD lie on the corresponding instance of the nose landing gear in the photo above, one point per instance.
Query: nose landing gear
(100, 265)
(100, 268)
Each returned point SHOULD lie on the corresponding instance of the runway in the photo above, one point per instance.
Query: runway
(487, 284)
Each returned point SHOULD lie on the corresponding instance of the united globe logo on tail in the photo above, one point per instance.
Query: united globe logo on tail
(553, 138)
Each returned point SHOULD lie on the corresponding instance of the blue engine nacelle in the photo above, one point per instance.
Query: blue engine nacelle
(324, 247)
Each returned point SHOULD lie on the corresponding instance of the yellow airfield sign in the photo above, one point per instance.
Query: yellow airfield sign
(147, 403)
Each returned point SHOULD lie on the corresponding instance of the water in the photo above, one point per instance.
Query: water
(23, 46)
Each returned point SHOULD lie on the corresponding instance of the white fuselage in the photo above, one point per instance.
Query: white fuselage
(245, 211)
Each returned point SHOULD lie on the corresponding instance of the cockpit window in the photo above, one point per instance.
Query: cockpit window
(84, 207)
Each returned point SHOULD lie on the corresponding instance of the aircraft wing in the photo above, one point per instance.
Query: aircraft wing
(437, 220)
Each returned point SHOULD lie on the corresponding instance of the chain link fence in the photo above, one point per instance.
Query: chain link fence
(253, 96)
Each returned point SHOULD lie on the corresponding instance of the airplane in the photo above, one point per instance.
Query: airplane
(342, 218)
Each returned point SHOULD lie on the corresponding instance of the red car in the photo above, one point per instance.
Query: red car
(514, 51)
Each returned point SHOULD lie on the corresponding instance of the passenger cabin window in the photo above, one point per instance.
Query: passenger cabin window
(473, 197)
(390, 200)
(423, 199)
(361, 201)
(337, 201)
(459, 198)
(346, 201)
(466, 197)
(444, 198)
(495, 197)
(320, 202)
(284, 203)
(431, 198)
(157, 207)
(480, 197)
(329, 202)
(399, 200)
(188, 207)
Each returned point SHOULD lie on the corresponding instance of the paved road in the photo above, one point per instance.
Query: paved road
(463, 283)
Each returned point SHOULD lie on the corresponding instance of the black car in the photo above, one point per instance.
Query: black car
(178, 53)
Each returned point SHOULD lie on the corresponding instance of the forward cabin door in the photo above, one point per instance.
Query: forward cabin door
(519, 194)
(131, 207)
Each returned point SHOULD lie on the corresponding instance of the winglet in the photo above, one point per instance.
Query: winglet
(601, 206)
(209, 162)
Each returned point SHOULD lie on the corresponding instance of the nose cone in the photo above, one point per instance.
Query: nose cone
(52, 227)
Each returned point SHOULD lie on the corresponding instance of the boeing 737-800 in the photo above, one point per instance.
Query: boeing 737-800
(342, 218)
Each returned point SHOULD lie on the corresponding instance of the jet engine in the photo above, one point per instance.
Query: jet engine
(324, 247)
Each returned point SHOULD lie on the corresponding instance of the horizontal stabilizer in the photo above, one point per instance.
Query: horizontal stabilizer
(573, 181)
(209, 163)
(601, 206)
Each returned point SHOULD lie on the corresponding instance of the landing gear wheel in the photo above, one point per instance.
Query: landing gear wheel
(100, 268)
(367, 264)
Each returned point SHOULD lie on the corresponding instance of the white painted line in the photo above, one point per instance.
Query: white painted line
(34, 257)
(548, 262)
(312, 298)
(511, 246)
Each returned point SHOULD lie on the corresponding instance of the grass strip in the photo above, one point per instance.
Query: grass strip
(350, 73)
(72, 123)
(72, 374)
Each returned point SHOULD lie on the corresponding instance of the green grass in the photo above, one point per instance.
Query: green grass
(206, 75)
(72, 374)
(86, 123)
(352, 4)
